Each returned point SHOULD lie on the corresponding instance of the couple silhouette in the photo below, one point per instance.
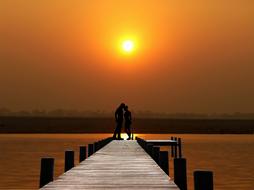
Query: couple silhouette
(122, 114)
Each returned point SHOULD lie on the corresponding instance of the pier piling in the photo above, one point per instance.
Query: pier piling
(96, 146)
(175, 148)
(164, 161)
(69, 160)
(90, 149)
(47, 171)
(82, 153)
(180, 147)
(149, 148)
(172, 148)
(180, 174)
(156, 154)
(203, 180)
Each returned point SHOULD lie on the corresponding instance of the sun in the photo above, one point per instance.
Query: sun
(128, 46)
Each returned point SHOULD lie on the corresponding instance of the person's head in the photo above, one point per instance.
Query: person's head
(122, 105)
(125, 107)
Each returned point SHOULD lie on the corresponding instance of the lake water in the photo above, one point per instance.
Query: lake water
(230, 157)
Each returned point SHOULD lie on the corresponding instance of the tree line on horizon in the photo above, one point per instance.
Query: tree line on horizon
(5, 112)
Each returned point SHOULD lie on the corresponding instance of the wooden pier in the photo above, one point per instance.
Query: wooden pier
(118, 165)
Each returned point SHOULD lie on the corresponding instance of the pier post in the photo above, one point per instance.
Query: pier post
(100, 144)
(164, 161)
(203, 180)
(47, 171)
(82, 153)
(180, 174)
(156, 154)
(149, 148)
(69, 160)
(143, 144)
(180, 147)
(175, 148)
(172, 148)
(90, 149)
(103, 143)
(96, 146)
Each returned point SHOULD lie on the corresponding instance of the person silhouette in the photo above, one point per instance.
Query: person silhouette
(119, 121)
(128, 121)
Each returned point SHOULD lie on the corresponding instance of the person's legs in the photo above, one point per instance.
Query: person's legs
(115, 133)
(128, 131)
(119, 128)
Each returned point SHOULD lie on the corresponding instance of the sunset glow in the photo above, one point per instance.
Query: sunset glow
(128, 46)
(160, 56)
(117, 73)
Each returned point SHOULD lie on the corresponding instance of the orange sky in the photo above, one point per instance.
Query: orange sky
(192, 56)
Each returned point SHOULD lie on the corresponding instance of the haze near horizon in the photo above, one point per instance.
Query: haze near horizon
(193, 56)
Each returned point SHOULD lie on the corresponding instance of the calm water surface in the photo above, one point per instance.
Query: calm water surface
(231, 157)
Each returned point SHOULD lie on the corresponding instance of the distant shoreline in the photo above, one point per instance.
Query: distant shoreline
(73, 125)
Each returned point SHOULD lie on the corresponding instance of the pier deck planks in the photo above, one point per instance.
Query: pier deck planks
(118, 165)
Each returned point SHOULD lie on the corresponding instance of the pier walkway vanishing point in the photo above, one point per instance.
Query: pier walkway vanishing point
(118, 165)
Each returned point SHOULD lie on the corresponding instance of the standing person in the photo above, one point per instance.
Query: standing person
(128, 120)
(119, 121)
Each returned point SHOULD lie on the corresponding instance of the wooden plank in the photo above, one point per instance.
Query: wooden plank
(118, 165)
